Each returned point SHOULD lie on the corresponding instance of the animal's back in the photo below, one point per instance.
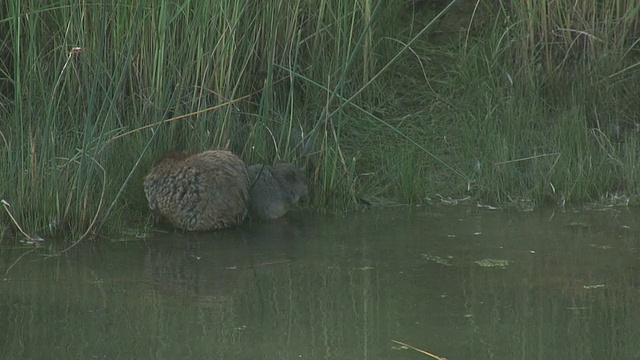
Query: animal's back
(203, 191)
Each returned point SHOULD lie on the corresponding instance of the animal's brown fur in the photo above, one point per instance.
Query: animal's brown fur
(275, 189)
(199, 192)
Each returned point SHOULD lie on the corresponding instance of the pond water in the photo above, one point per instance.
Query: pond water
(458, 282)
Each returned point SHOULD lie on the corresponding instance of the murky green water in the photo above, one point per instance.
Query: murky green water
(459, 282)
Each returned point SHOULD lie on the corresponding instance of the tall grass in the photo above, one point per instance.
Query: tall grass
(531, 100)
(558, 81)
(94, 92)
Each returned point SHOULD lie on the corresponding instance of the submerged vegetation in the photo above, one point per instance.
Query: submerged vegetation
(380, 101)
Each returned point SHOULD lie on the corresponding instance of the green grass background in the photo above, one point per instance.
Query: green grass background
(501, 102)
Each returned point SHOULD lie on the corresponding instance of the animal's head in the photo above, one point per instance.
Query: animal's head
(293, 181)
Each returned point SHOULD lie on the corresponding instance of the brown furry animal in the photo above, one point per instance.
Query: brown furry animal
(199, 192)
(275, 189)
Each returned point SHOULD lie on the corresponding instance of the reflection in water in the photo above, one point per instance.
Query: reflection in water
(463, 283)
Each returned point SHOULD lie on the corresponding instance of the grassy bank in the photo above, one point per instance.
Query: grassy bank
(498, 102)
(544, 105)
